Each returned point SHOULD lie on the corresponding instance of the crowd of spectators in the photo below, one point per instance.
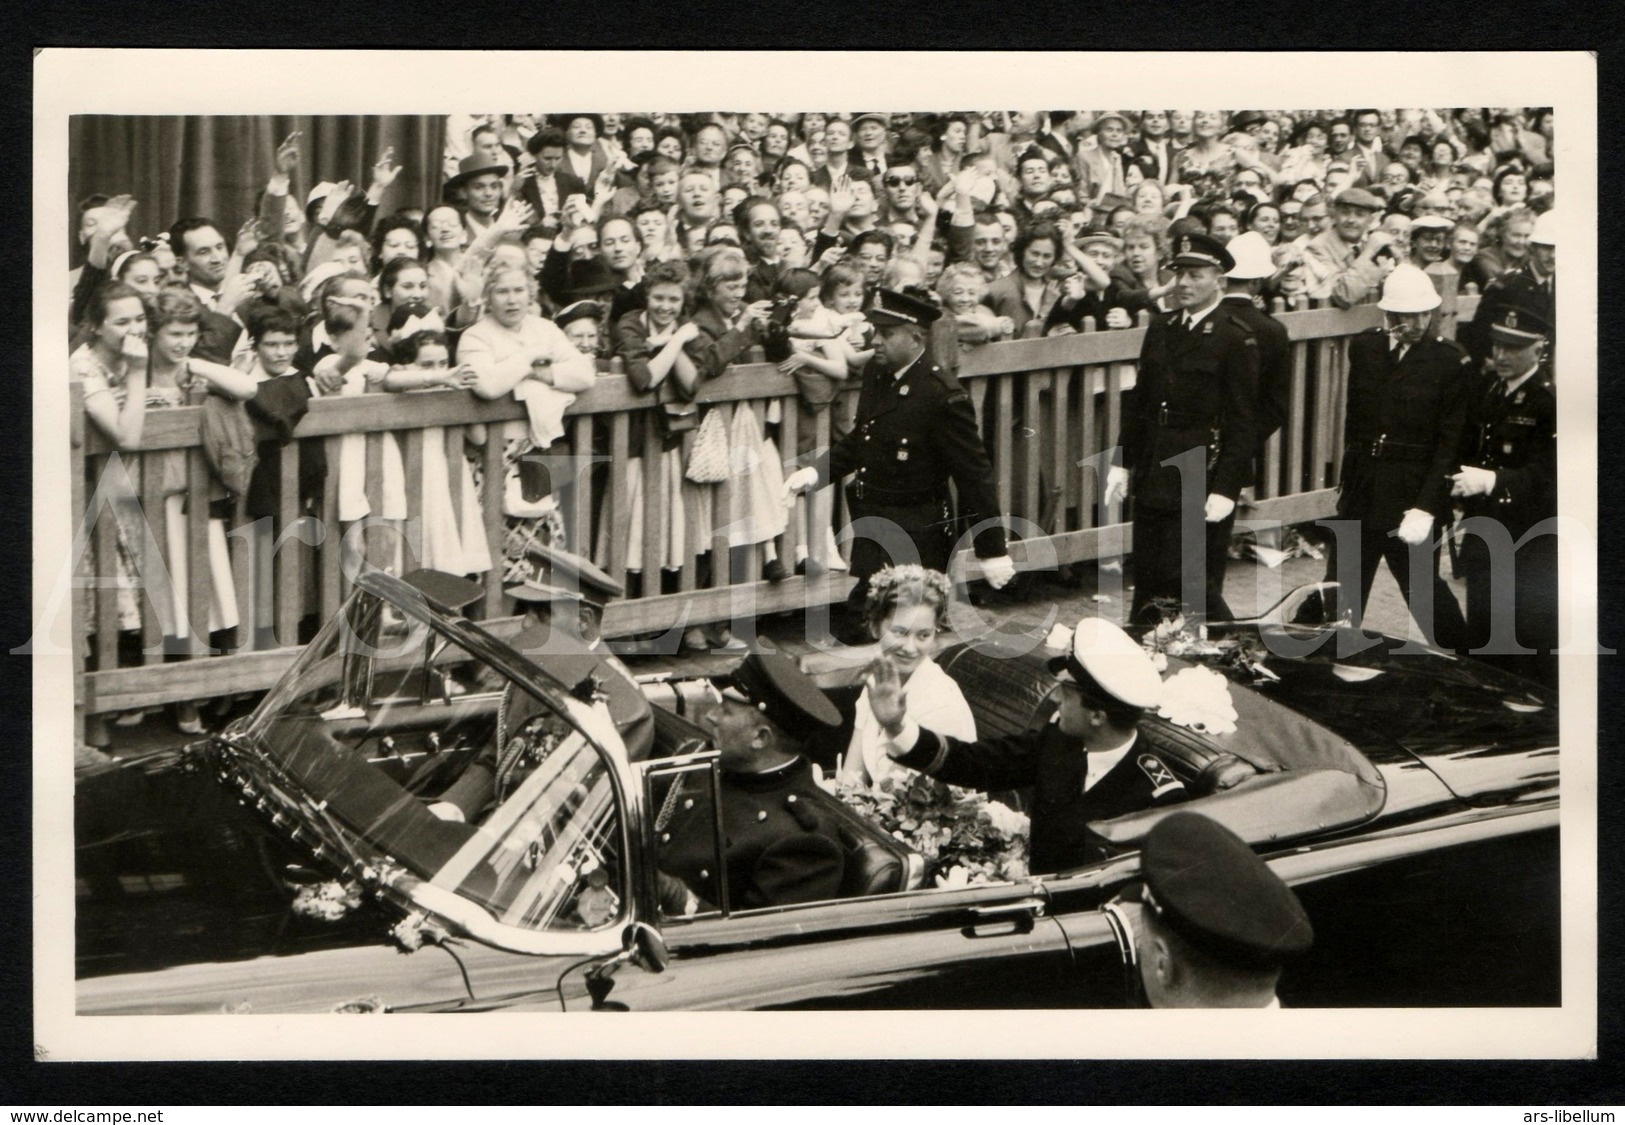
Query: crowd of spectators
(679, 243)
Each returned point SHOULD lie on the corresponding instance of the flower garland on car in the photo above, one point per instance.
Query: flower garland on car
(965, 836)
(1176, 635)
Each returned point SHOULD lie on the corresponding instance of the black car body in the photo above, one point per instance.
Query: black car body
(1409, 796)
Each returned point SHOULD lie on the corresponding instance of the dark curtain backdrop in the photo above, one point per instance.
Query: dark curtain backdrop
(216, 166)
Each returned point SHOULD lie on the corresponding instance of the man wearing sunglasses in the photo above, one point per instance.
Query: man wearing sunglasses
(777, 847)
(901, 202)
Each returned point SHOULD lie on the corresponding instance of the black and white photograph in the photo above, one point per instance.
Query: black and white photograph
(672, 545)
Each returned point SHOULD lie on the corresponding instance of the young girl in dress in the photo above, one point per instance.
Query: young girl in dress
(906, 611)
(422, 362)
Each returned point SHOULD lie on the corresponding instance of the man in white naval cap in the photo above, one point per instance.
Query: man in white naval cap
(1089, 764)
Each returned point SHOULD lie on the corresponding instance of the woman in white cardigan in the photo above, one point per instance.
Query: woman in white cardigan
(907, 609)
(513, 351)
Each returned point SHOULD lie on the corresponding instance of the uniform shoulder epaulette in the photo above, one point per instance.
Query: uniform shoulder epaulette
(949, 380)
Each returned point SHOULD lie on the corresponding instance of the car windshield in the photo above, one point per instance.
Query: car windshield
(390, 742)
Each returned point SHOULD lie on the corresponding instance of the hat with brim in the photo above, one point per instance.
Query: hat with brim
(1408, 290)
(782, 692)
(1205, 884)
(1089, 236)
(1108, 665)
(1202, 250)
(562, 121)
(1105, 117)
(892, 308)
(1431, 222)
(1247, 117)
(579, 310)
(1251, 252)
(1518, 327)
(468, 168)
(564, 575)
(1545, 232)
(1357, 197)
(884, 119)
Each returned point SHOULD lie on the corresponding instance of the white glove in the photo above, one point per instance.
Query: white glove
(797, 483)
(1416, 527)
(1218, 507)
(1116, 484)
(445, 810)
(1472, 481)
(999, 571)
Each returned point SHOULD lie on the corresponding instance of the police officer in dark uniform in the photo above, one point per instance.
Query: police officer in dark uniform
(1197, 391)
(778, 848)
(1407, 401)
(564, 604)
(1215, 924)
(916, 430)
(1508, 483)
(1531, 286)
(1243, 282)
(1088, 765)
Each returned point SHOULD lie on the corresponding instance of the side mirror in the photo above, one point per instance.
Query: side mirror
(648, 948)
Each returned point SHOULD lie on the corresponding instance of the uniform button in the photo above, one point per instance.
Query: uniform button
(704, 874)
(688, 802)
(791, 799)
(761, 814)
(665, 837)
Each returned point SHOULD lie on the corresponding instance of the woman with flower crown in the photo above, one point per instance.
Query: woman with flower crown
(906, 611)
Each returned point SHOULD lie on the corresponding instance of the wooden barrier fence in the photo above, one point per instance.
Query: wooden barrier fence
(1049, 407)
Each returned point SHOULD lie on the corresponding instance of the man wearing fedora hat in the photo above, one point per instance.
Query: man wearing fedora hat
(778, 848)
(1507, 483)
(1089, 764)
(916, 430)
(563, 602)
(1189, 437)
(476, 190)
(1402, 432)
(1212, 924)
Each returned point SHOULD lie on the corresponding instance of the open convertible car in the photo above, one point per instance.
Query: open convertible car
(1409, 796)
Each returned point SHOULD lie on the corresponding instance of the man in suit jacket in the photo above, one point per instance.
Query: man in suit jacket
(1402, 434)
(547, 190)
(584, 157)
(1196, 401)
(1090, 764)
(1101, 164)
(1154, 149)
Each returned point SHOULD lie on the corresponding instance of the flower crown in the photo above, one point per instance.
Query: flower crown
(884, 583)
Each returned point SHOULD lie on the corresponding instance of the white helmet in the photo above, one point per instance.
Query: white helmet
(1252, 255)
(1408, 290)
(1545, 229)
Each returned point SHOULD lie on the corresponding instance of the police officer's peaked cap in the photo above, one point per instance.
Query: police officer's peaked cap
(1206, 885)
(783, 692)
(1519, 326)
(1198, 249)
(892, 307)
(1106, 661)
(562, 576)
(446, 592)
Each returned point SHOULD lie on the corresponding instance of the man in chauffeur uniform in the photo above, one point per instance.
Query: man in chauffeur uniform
(1087, 765)
(916, 430)
(1407, 397)
(573, 652)
(1509, 475)
(1197, 390)
(778, 848)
